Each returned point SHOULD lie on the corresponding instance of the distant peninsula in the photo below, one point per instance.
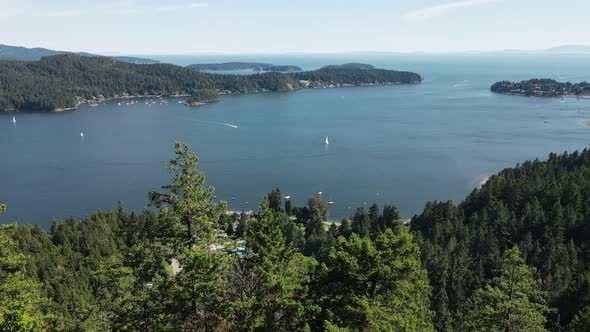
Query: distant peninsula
(65, 81)
(542, 88)
(352, 65)
(257, 66)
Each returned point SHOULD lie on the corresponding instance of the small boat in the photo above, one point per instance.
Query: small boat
(13, 119)
(331, 202)
(119, 104)
(319, 192)
(81, 134)
(327, 141)
(94, 104)
(287, 197)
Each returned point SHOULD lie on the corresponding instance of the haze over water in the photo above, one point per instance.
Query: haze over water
(401, 145)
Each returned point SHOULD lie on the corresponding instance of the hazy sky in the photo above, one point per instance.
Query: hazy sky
(277, 26)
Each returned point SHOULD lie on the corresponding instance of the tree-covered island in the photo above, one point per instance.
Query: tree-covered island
(65, 81)
(202, 97)
(542, 88)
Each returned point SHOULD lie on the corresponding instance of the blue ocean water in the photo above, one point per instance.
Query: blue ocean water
(400, 145)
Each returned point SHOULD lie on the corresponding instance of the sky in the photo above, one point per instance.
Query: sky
(303, 26)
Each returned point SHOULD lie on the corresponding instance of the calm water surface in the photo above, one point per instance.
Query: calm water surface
(395, 144)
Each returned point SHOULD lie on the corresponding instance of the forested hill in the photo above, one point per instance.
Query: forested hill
(542, 88)
(19, 53)
(514, 256)
(63, 81)
(543, 207)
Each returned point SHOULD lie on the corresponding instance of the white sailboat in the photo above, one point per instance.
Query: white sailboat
(81, 134)
(327, 140)
(13, 119)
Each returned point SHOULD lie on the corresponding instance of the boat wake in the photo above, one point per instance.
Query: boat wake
(222, 124)
(231, 125)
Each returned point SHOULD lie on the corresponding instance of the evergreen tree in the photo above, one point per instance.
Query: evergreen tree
(345, 228)
(316, 237)
(375, 220)
(378, 286)
(288, 207)
(198, 290)
(275, 200)
(316, 204)
(361, 223)
(229, 230)
(186, 202)
(512, 301)
(242, 228)
(21, 300)
(276, 303)
(390, 216)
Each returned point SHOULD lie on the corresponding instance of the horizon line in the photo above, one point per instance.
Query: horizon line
(338, 52)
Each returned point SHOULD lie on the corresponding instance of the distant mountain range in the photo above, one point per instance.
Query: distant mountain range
(570, 49)
(562, 49)
(20, 53)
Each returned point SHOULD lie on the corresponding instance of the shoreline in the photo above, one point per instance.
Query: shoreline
(541, 96)
(305, 86)
(103, 99)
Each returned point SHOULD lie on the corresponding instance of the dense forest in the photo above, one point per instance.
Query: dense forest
(64, 81)
(513, 256)
(542, 88)
(244, 65)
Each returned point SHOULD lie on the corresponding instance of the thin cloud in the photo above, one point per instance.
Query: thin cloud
(66, 13)
(181, 6)
(125, 8)
(9, 8)
(424, 14)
